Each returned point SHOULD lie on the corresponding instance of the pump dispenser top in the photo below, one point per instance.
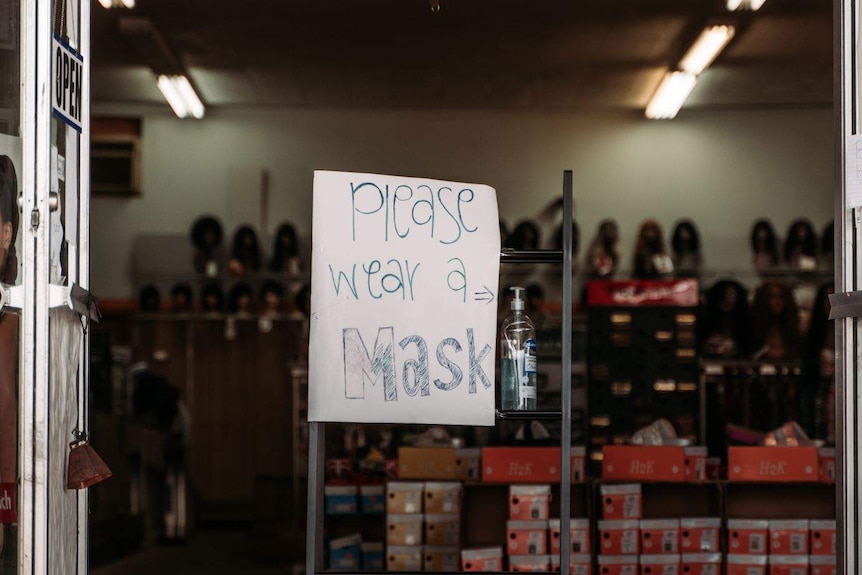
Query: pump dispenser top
(518, 302)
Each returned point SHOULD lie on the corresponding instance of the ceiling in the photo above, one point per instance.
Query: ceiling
(526, 54)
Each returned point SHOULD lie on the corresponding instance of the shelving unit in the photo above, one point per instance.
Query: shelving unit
(315, 560)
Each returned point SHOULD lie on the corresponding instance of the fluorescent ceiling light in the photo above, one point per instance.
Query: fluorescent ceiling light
(106, 3)
(117, 4)
(181, 97)
(734, 5)
(705, 49)
(670, 96)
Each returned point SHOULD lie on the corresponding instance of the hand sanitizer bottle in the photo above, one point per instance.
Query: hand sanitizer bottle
(518, 357)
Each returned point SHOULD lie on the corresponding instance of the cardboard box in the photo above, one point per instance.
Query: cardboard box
(404, 497)
(700, 535)
(618, 564)
(442, 530)
(373, 557)
(340, 499)
(528, 464)
(788, 537)
(529, 563)
(427, 463)
(823, 564)
(527, 537)
(579, 536)
(701, 563)
(372, 499)
(529, 502)
(344, 553)
(824, 538)
(440, 559)
(621, 501)
(404, 558)
(659, 536)
(619, 537)
(788, 565)
(443, 497)
(827, 464)
(747, 536)
(639, 463)
(660, 564)
(746, 564)
(782, 464)
(485, 559)
(695, 463)
(404, 530)
(468, 464)
(579, 563)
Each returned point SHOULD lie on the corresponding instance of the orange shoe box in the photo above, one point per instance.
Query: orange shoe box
(700, 535)
(695, 463)
(632, 462)
(528, 464)
(827, 464)
(427, 463)
(529, 563)
(579, 535)
(773, 464)
(579, 563)
(746, 564)
(621, 501)
(618, 564)
(443, 497)
(440, 559)
(404, 497)
(659, 536)
(527, 537)
(747, 536)
(823, 564)
(824, 539)
(788, 537)
(442, 530)
(660, 564)
(788, 565)
(404, 530)
(619, 537)
(701, 563)
(529, 502)
(486, 559)
(404, 558)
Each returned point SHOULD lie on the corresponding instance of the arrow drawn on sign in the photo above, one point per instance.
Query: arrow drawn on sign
(485, 295)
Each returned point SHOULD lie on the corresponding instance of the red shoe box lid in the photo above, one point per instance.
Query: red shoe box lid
(632, 462)
(781, 464)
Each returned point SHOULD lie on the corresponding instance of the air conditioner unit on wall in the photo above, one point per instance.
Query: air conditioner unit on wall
(115, 159)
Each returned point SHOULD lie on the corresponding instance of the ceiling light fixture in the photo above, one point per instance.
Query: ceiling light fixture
(734, 5)
(670, 95)
(117, 4)
(706, 48)
(181, 97)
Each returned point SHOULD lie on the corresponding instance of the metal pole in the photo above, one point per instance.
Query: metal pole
(566, 440)
(314, 530)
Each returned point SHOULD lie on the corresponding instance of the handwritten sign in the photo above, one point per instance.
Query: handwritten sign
(403, 300)
(67, 85)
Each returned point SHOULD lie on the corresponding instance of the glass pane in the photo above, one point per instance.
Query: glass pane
(11, 174)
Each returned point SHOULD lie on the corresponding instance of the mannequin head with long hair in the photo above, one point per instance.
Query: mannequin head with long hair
(8, 221)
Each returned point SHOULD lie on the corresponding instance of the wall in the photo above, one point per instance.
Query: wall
(723, 169)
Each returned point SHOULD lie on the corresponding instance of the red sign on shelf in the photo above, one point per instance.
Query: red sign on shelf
(643, 293)
(8, 504)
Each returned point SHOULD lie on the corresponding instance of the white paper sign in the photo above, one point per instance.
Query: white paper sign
(853, 171)
(403, 300)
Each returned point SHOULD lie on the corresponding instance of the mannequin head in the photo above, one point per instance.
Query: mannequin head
(240, 298)
(726, 315)
(801, 240)
(181, 297)
(212, 299)
(8, 221)
(763, 240)
(525, 236)
(245, 249)
(285, 246)
(609, 233)
(271, 296)
(149, 299)
(775, 313)
(650, 239)
(206, 234)
(685, 239)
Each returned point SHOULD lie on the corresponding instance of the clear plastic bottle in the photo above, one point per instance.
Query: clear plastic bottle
(518, 358)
